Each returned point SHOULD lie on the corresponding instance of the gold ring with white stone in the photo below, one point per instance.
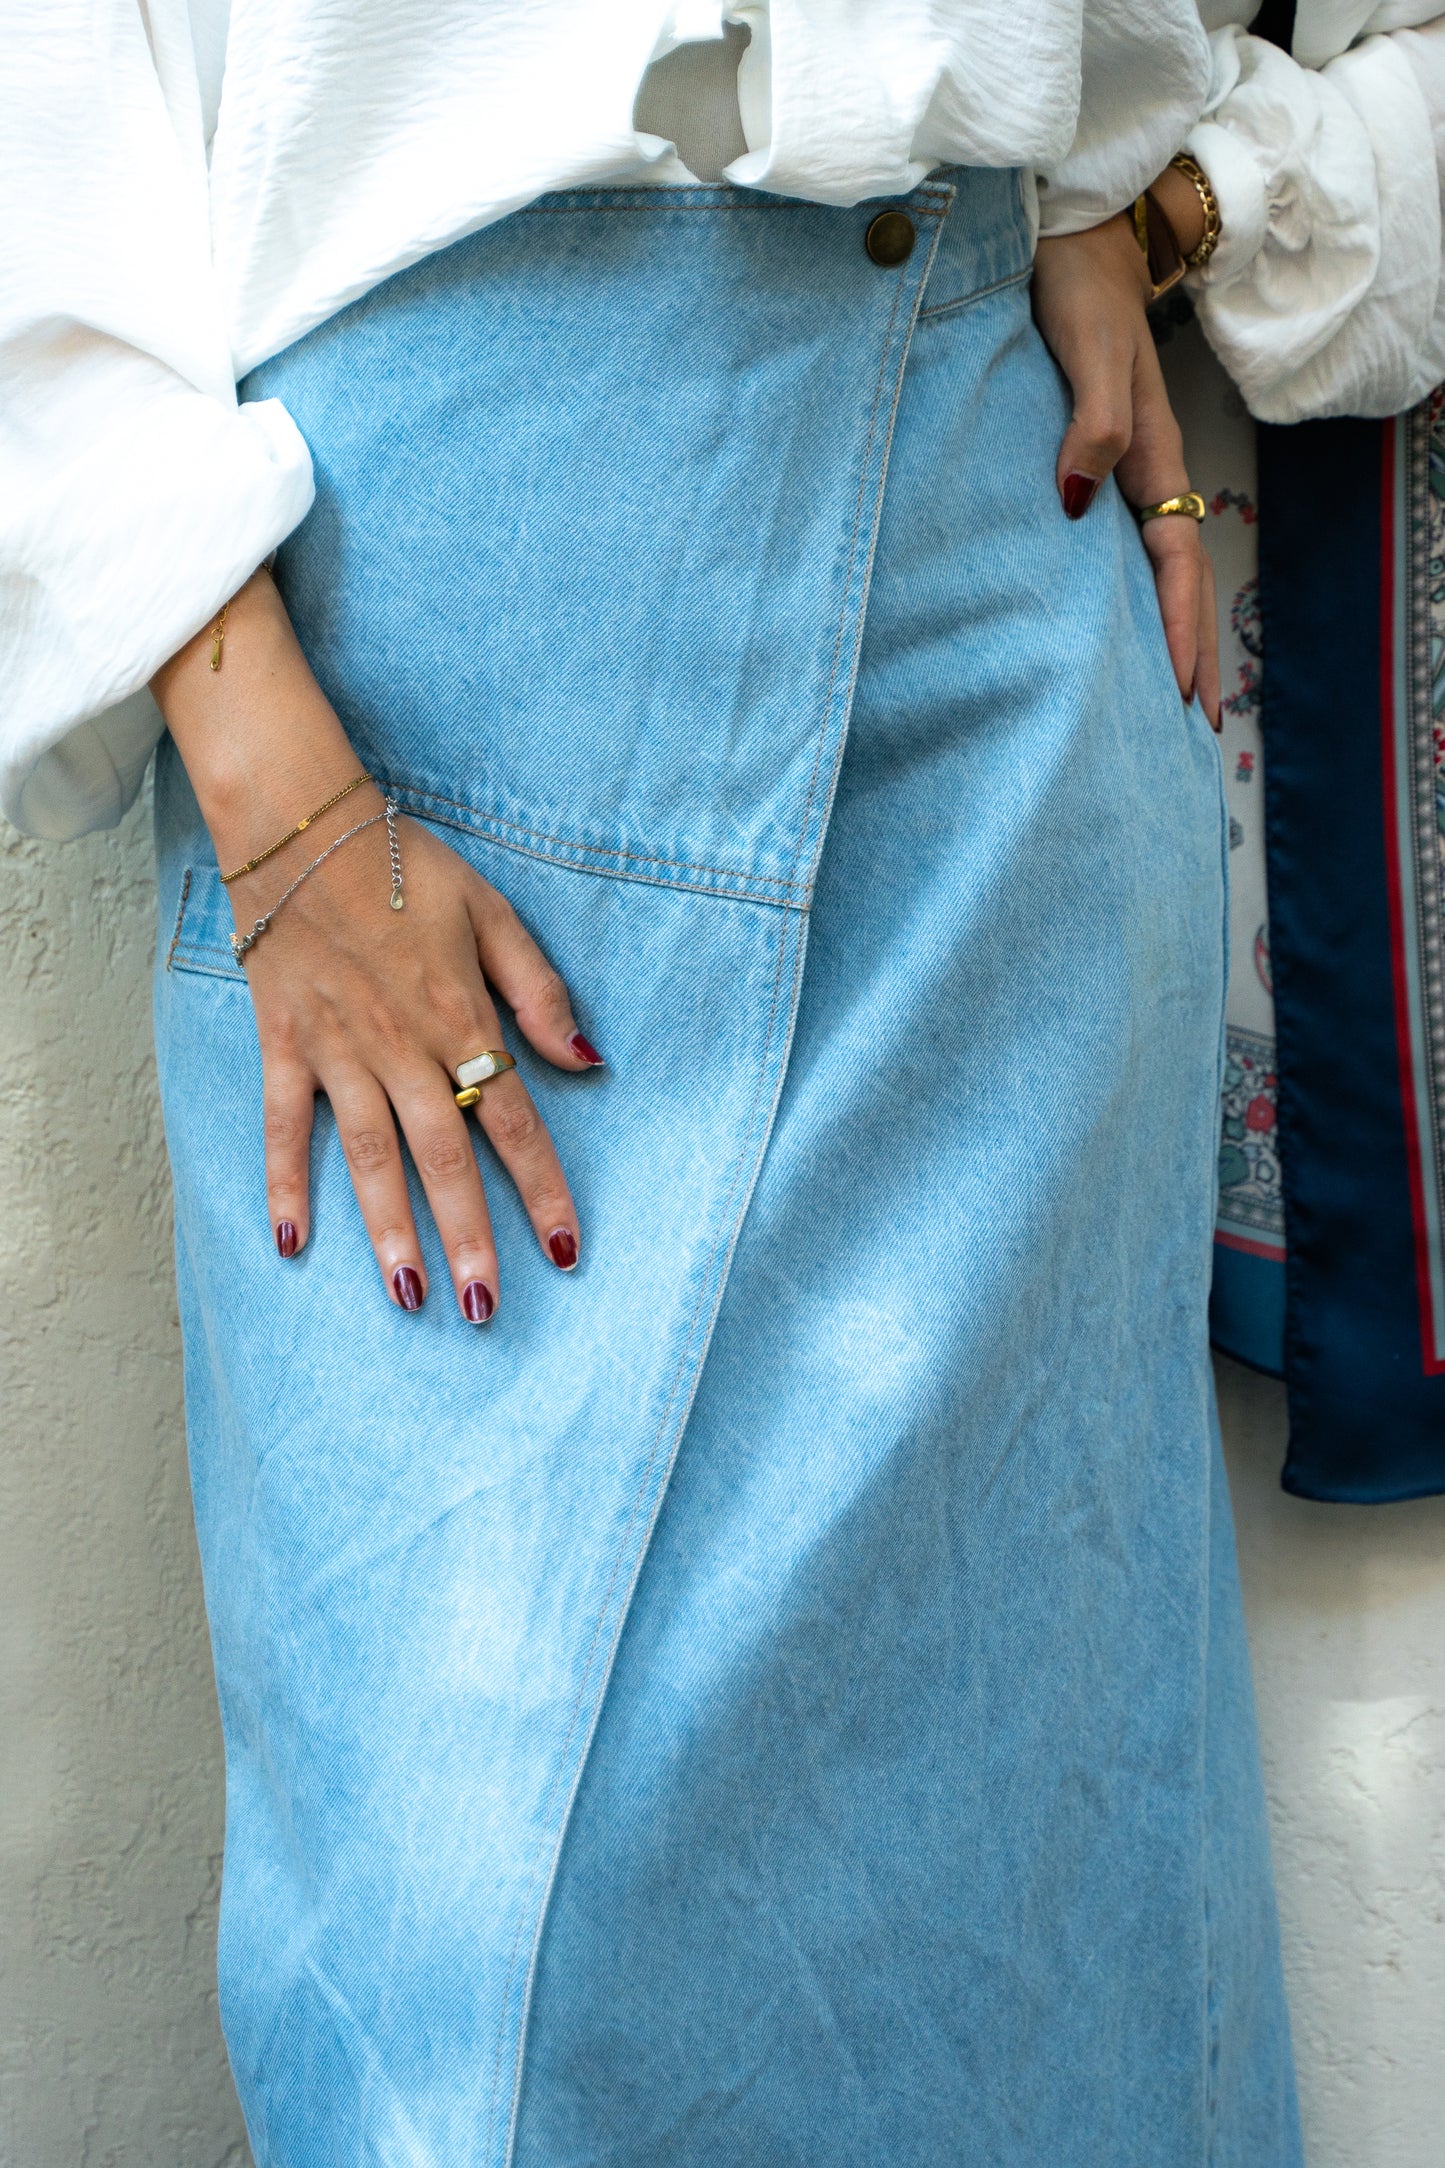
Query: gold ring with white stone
(479, 1069)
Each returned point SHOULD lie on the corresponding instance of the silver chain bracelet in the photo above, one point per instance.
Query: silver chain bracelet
(389, 816)
(240, 942)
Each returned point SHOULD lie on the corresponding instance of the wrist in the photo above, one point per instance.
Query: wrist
(1106, 252)
(248, 802)
(249, 794)
(1119, 235)
(259, 740)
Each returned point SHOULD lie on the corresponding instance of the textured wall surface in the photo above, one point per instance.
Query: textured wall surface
(1347, 1624)
(110, 1810)
(110, 1816)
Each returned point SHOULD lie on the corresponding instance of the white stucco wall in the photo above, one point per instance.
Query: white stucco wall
(110, 1816)
(110, 1808)
(1346, 1612)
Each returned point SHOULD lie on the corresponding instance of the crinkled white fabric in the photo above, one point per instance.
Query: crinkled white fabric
(1135, 82)
(1325, 294)
(1324, 29)
(134, 492)
(183, 195)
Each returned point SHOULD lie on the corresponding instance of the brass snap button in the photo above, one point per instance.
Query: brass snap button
(890, 238)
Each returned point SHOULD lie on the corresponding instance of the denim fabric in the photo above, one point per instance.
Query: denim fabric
(777, 1696)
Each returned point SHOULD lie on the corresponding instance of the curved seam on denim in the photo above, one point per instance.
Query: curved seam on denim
(620, 1555)
(682, 1366)
(184, 963)
(847, 578)
(180, 918)
(860, 612)
(980, 293)
(597, 850)
(799, 902)
(641, 1549)
(867, 579)
(180, 953)
(1212, 2022)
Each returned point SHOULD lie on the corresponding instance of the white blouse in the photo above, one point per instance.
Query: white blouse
(1325, 295)
(187, 186)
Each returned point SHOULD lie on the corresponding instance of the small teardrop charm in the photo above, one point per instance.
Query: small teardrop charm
(398, 900)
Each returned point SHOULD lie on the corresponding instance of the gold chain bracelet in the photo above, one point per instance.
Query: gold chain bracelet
(1208, 242)
(292, 833)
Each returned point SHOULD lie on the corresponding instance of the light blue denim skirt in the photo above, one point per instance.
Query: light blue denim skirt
(777, 1695)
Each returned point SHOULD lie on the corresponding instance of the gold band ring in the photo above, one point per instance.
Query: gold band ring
(479, 1069)
(1191, 504)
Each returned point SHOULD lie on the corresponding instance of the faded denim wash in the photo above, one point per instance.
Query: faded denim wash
(777, 1695)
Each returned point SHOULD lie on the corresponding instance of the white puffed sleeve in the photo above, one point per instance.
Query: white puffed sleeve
(135, 494)
(1144, 77)
(1323, 296)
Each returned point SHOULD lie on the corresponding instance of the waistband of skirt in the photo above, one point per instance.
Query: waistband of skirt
(986, 238)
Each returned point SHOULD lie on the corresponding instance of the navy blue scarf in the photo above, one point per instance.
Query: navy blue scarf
(1353, 716)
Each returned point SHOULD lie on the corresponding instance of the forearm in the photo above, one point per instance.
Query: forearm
(260, 741)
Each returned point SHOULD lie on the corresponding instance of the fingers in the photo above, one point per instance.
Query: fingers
(1152, 471)
(527, 982)
(1175, 552)
(392, 1084)
(1101, 430)
(519, 1137)
(441, 1148)
(442, 1152)
(1087, 295)
(1153, 467)
(505, 1111)
(373, 1158)
(289, 1106)
(1209, 679)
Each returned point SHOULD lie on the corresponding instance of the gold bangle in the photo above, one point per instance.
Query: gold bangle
(292, 833)
(1191, 504)
(1208, 242)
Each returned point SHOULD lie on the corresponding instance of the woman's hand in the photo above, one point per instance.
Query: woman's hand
(372, 1006)
(1089, 293)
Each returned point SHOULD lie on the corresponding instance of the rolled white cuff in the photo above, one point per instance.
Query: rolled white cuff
(132, 549)
(1240, 187)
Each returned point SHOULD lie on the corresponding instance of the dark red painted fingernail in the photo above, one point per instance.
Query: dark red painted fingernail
(562, 1248)
(477, 1303)
(585, 1051)
(1079, 493)
(406, 1286)
(286, 1237)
